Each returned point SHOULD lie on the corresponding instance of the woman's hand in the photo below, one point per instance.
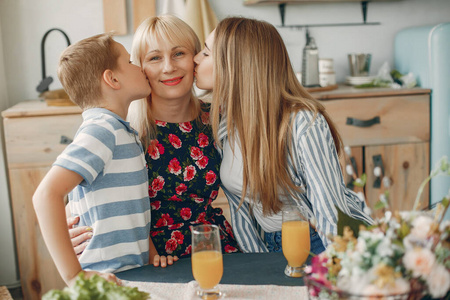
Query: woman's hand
(163, 261)
(87, 274)
(79, 236)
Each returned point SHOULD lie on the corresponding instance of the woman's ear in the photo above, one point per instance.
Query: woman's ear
(110, 79)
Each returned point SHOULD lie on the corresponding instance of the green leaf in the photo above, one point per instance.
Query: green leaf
(345, 220)
(379, 205)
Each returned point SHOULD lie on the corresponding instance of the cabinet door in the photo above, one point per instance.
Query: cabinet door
(407, 165)
(37, 271)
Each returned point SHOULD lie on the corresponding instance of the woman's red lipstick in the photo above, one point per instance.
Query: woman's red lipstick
(172, 81)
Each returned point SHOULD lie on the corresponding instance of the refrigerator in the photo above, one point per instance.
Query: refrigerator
(425, 51)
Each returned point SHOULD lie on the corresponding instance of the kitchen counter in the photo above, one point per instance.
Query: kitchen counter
(346, 92)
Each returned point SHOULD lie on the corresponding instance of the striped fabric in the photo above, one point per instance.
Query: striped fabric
(113, 197)
(315, 167)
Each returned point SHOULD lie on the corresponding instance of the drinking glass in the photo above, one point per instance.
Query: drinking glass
(207, 264)
(295, 239)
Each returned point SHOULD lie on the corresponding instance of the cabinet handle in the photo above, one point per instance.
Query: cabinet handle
(363, 123)
(65, 140)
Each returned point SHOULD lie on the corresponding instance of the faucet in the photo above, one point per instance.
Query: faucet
(46, 81)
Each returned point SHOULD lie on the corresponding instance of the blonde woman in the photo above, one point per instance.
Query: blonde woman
(279, 145)
(173, 125)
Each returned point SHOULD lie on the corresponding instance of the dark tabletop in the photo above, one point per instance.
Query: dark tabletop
(238, 268)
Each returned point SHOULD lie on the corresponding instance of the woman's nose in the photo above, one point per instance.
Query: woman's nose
(169, 66)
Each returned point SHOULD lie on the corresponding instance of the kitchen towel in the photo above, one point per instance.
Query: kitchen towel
(187, 291)
(200, 16)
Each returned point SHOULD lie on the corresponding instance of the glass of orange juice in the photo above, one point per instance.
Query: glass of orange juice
(207, 264)
(295, 239)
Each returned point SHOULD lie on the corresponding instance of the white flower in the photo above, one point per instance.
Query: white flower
(347, 150)
(377, 171)
(438, 281)
(421, 227)
(349, 170)
(386, 181)
(400, 286)
(420, 261)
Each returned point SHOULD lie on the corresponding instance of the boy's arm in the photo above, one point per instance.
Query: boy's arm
(48, 201)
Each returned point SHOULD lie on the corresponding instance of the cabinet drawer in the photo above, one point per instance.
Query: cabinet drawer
(402, 119)
(37, 141)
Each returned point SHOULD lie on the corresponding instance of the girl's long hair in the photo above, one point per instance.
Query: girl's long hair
(256, 90)
(163, 28)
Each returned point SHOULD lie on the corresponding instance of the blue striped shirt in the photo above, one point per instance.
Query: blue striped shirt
(315, 167)
(113, 196)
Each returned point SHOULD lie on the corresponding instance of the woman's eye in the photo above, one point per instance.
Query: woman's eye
(179, 53)
(154, 58)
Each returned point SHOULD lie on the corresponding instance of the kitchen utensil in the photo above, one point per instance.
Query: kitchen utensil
(359, 63)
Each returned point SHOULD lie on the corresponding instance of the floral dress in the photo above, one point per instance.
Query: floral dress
(183, 171)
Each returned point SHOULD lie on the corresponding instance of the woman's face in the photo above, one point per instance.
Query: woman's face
(204, 68)
(169, 69)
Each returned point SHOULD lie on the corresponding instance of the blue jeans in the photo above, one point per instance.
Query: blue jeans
(273, 241)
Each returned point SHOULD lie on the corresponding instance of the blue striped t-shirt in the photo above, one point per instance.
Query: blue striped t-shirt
(113, 197)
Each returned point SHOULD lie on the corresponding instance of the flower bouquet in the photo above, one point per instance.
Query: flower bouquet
(403, 255)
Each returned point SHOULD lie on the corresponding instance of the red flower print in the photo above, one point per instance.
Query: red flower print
(175, 141)
(201, 218)
(186, 213)
(174, 166)
(210, 177)
(193, 195)
(178, 236)
(203, 140)
(205, 118)
(151, 193)
(165, 220)
(161, 123)
(189, 173)
(181, 189)
(174, 198)
(155, 233)
(213, 194)
(188, 250)
(228, 229)
(160, 148)
(185, 127)
(198, 200)
(153, 150)
(196, 153)
(176, 226)
(202, 162)
(171, 245)
(158, 183)
(156, 205)
(230, 249)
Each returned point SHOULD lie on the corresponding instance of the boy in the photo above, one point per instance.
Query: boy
(104, 166)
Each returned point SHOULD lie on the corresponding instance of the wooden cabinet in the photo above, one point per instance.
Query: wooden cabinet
(386, 128)
(34, 136)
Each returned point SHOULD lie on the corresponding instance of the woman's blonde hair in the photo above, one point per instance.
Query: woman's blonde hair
(171, 30)
(256, 90)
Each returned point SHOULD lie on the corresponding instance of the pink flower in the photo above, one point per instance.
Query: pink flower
(210, 177)
(164, 221)
(153, 150)
(181, 189)
(202, 162)
(185, 127)
(174, 166)
(175, 226)
(205, 118)
(158, 183)
(178, 236)
(188, 250)
(151, 193)
(186, 213)
(175, 141)
(230, 249)
(196, 153)
(198, 200)
(420, 261)
(189, 173)
(214, 194)
(161, 123)
(156, 205)
(203, 140)
(171, 245)
(174, 198)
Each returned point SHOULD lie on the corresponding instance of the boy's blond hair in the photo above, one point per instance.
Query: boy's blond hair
(81, 68)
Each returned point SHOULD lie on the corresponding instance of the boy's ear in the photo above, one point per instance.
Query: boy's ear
(110, 79)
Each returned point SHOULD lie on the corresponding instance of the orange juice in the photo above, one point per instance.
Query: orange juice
(295, 242)
(207, 268)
